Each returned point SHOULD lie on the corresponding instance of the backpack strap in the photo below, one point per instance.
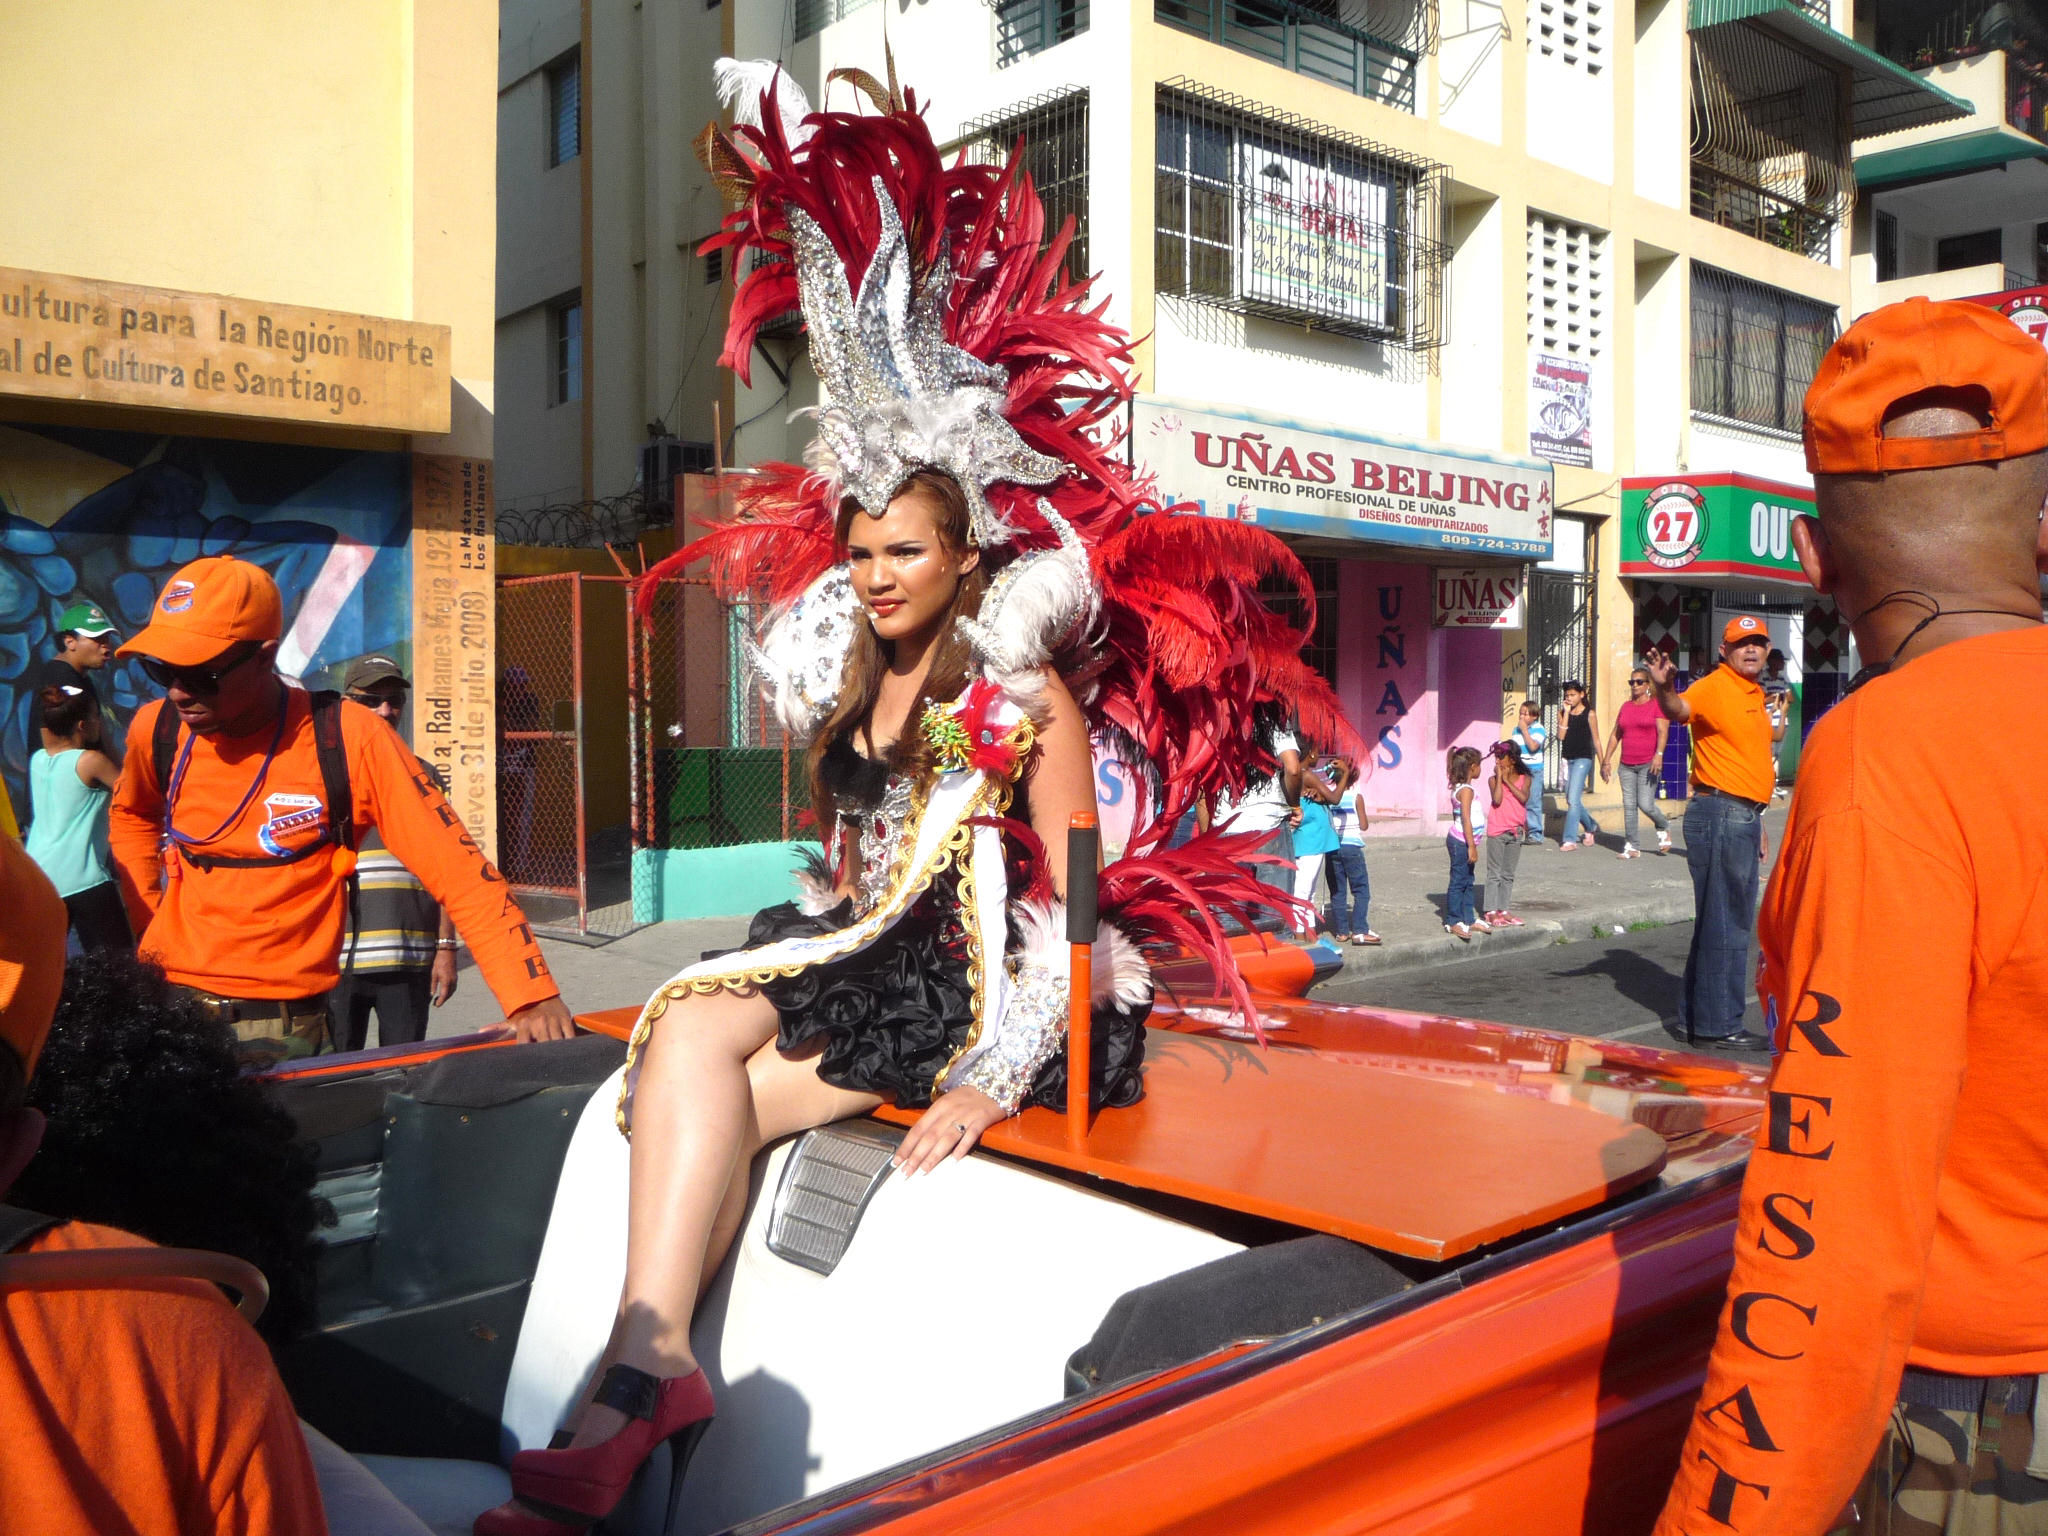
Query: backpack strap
(164, 746)
(18, 1226)
(332, 751)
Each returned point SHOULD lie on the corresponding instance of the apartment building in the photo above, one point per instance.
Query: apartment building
(1543, 285)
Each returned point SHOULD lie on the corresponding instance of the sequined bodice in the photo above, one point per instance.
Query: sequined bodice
(876, 804)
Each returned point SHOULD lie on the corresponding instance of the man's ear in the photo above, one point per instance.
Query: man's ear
(1817, 556)
(20, 1135)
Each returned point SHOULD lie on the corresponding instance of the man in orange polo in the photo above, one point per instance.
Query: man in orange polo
(1890, 1290)
(1733, 774)
(234, 861)
(144, 1405)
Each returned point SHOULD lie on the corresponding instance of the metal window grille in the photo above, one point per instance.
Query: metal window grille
(1754, 349)
(1054, 128)
(1320, 649)
(1567, 278)
(1887, 247)
(565, 339)
(814, 16)
(1770, 139)
(1327, 40)
(1266, 213)
(565, 110)
(1571, 31)
(1025, 27)
(1921, 36)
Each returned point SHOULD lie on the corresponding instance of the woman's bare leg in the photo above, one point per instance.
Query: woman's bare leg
(712, 1090)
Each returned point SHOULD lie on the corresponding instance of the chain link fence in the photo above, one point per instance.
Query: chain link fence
(618, 738)
(715, 768)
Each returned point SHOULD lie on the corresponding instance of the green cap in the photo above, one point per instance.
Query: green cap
(88, 619)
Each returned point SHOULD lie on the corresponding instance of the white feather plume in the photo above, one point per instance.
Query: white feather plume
(1033, 606)
(743, 85)
(1117, 966)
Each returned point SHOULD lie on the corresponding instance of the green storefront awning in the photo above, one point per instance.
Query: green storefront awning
(1978, 151)
(1885, 97)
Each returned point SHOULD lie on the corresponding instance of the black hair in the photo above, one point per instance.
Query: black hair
(1573, 685)
(153, 1129)
(62, 710)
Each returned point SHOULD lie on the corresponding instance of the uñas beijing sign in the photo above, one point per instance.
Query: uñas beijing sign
(1324, 480)
(73, 338)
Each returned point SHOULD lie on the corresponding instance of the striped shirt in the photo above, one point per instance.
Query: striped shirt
(393, 923)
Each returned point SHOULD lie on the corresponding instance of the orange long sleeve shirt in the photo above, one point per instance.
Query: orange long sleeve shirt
(151, 1408)
(1895, 1209)
(276, 931)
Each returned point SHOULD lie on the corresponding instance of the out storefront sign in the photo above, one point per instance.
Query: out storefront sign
(1314, 478)
(1697, 527)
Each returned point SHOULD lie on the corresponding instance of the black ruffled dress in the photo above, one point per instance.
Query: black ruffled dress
(891, 1016)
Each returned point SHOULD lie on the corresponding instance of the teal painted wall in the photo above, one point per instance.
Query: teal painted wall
(672, 883)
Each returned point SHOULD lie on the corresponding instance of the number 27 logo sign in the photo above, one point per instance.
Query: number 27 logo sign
(1674, 525)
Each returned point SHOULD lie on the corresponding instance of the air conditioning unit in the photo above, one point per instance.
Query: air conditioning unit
(661, 460)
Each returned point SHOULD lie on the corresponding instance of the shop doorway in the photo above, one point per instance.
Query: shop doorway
(1561, 626)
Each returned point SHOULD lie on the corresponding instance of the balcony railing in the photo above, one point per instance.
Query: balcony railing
(1736, 204)
(1306, 41)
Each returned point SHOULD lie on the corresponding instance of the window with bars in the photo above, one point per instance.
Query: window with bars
(1269, 214)
(1323, 39)
(1025, 27)
(565, 109)
(1770, 139)
(1283, 598)
(1573, 32)
(1054, 128)
(565, 348)
(814, 16)
(1754, 349)
(1567, 275)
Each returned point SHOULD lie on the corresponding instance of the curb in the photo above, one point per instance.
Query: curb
(1539, 933)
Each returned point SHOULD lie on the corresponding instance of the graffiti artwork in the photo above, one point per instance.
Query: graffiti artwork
(108, 517)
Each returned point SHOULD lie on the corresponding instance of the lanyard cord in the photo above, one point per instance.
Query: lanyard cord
(171, 833)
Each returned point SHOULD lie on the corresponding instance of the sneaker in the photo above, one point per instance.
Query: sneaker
(1629, 851)
(1663, 842)
(1458, 931)
(1507, 920)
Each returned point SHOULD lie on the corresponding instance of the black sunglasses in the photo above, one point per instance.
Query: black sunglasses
(202, 681)
(374, 700)
(1639, 682)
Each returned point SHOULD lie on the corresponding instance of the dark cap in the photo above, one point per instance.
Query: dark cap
(372, 670)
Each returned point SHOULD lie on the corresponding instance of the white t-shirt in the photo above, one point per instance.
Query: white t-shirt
(1264, 806)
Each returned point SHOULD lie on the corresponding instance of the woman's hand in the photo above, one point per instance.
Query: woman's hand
(949, 1129)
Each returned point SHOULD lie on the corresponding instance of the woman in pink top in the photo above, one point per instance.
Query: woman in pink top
(1639, 731)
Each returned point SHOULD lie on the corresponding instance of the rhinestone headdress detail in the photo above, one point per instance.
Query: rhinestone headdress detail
(900, 396)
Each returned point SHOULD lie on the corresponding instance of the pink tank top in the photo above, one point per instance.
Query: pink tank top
(1511, 815)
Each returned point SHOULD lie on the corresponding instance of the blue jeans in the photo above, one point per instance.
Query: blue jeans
(1458, 907)
(1723, 838)
(1578, 774)
(1350, 890)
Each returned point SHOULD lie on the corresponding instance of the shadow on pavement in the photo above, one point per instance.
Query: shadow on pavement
(1638, 978)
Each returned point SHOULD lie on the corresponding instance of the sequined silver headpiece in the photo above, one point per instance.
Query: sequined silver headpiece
(900, 397)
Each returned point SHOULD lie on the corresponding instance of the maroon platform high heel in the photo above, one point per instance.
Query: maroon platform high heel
(563, 1490)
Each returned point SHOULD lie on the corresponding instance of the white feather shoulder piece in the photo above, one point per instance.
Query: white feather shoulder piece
(1033, 606)
(743, 86)
(1117, 966)
(801, 654)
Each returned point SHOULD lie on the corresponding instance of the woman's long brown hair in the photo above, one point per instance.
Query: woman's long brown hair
(869, 656)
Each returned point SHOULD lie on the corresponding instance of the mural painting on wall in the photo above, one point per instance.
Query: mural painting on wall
(1396, 676)
(106, 517)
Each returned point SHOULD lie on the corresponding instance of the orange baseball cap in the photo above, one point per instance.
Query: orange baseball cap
(31, 952)
(1896, 352)
(1745, 627)
(208, 606)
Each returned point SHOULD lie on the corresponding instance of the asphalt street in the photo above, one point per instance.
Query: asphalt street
(1624, 986)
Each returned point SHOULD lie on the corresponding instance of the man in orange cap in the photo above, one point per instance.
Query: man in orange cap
(1890, 1291)
(1733, 774)
(233, 840)
(131, 1404)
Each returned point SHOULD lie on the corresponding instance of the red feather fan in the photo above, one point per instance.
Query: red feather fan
(1190, 660)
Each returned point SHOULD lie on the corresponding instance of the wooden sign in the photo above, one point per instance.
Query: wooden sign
(454, 619)
(73, 338)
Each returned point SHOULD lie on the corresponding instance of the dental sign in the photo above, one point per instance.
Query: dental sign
(1711, 526)
(1322, 480)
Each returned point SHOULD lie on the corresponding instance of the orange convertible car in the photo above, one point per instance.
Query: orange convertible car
(1387, 1273)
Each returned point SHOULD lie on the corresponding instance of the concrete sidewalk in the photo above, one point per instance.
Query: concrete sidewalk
(1561, 896)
